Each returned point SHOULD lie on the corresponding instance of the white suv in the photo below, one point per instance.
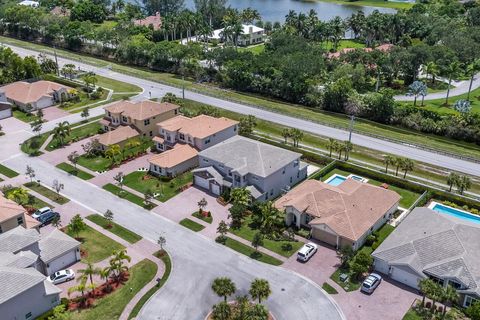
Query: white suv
(306, 252)
(40, 212)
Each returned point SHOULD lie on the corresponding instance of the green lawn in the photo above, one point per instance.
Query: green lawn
(127, 196)
(329, 289)
(247, 232)
(192, 225)
(96, 163)
(143, 182)
(116, 86)
(85, 100)
(23, 116)
(411, 315)
(46, 192)
(250, 252)
(256, 49)
(32, 145)
(74, 171)
(7, 172)
(116, 229)
(374, 3)
(439, 104)
(197, 215)
(168, 268)
(97, 246)
(77, 134)
(408, 197)
(111, 307)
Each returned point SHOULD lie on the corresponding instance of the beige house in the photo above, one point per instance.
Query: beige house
(118, 136)
(342, 215)
(36, 95)
(13, 215)
(181, 138)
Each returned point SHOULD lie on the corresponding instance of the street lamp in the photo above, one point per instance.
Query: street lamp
(352, 122)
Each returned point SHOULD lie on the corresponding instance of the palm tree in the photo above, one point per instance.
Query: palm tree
(105, 275)
(452, 180)
(331, 146)
(89, 271)
(222, 311)
(117, 263)
(425, 286)
(432, 69)
(407, 165)
(241, 196)
(451, 71)
(417, 88)
(472, 69)
(61, 131)
(296, 135)
(249, 15)
(112, 152)
(81, 287)
(347, 147)
(449, 296)
(463, 183)
(398, 164)
(223, 287)
(286, 134)
(19, 195)
(260, 289)
(388, 160)
(270, 220)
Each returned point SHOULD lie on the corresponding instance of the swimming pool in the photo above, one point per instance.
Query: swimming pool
(335, 180)
(441, 208)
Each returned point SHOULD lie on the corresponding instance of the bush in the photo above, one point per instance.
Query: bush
(370, 240)
(221, 239)
(287, 247)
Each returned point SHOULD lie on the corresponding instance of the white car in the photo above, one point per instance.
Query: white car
(62, 276)
(40, 212)
(371, 283)
(306, 252)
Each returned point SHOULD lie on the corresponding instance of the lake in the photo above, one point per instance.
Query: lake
(276, 10)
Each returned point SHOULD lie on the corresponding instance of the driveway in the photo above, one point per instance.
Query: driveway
(53, 113)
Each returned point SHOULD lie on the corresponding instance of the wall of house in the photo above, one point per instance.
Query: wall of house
(145, 129)
(44, 102)
(31, 302)
(11, 223)
(176, 170)
(216, 138)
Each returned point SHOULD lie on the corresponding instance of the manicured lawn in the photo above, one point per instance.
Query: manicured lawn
(143, 182)
(192, 225)
(85, 100)
(96, 163)
(112, 305)
(116, 229)
(97, 246)
(32, 146)
(9, 173)
(408, 197)
(23, 116)
(168, 268)
(44, 191)
(127, 196)
(439, 104)
(374, 3)
(247, 233)
(249, 251)
(329, 289)
(202, 217)
(257, 49)
(74, 171)
(411, 315)
(116, 86)
(77, 134)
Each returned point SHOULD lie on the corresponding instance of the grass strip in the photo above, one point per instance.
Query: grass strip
(329, 289)
(7, 172)
(127, 196)
(250, 252)
(74, 171)
(44, 191)
(192, 225)
(115, 228)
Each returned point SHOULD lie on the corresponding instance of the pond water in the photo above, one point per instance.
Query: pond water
(276, 10)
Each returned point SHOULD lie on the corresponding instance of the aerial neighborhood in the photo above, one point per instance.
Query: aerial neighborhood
(204, 160)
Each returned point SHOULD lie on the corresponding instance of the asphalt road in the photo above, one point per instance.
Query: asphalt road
(196, 260)
(153, 89)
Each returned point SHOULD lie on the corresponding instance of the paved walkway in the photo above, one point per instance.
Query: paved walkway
(54, 113)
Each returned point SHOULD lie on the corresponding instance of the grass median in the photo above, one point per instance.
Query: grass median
(46, 192)
(192, 225)
(7, 172)
(114, 228)
(74, 171)
(128, 196)
(250, 252)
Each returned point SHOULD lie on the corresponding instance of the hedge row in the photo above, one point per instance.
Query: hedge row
(64, 81)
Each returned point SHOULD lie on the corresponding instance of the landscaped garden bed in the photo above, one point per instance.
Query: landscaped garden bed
(204, 216)
(76, 134)
(23, 198)
(44, 191)
(192, 225)
(128, 196)
(74, 171)
(114, 228)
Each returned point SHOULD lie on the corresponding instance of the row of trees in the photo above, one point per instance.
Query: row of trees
(344, 147)
(398, 163)
(14, 68)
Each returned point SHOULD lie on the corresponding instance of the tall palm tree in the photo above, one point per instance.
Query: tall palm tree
(472, 69)
(331, 146)
(463, 183)
(61, 131)
(449, 296)
(249, 15)
(286, 134)
(407, 165)
(81, 287)
(452, 71)
(388, 160)
(117, 263)
(241, 196)
(112, 152)
(432, 69)
(347, 147)
(260, 289)
(398, 164)
(452, 180)
(89, 271)
(425, 286)
(223, 287)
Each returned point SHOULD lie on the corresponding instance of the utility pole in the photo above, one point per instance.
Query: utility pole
(56, 60)
(352, 122)
(183, 86)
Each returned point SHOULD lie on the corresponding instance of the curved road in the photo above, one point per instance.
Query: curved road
(158, 90)
(196, 260)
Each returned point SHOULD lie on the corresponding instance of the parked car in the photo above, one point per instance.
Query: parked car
(62, 276)
(306, 252)
(37, 214)
(47, 217)
(371, 283)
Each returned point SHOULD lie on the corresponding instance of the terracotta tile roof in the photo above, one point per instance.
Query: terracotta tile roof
(9, 209)
(118, 135)
(170, 158)
(158, 139)
(25, 92)
(140, 110)
(58, 11)
(349, 209)
(384, 48)
(30, 222)
(155, 21)
(199, 127)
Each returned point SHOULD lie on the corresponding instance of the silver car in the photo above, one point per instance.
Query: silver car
(62, 276)
(371, 283)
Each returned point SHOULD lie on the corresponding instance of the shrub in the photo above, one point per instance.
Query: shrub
(287, 247)
(370, 240)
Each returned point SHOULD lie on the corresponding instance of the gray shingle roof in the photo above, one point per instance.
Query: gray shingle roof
(17, 239)
(14, 281)
(56, 244)
(23, 259)
(437, 244)
(249, 156)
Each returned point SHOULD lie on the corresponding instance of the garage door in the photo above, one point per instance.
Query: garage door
(405, 277)
(215, 189)
(5, 113)
(324, 236)
(201, 182)
(62, 262)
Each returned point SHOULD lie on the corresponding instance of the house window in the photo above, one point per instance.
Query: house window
(151, 133)
(271, 192)
(146, 122)
(176, 111)
(20, 220)
(235, 128)
(237, 178)
(230, 173)
(207, 141)
(469, 301)
(298, 174)
(109, 114)
(295, 164)
(283, 171)
(124, 119)
(291, 179)
(205, 160)
(181, 136)
(254, 178)
(28, 315)
(1, 231)
(455, 284)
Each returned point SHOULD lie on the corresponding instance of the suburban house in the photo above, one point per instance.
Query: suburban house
(265, 170)
(154, 21)
(181, 138)
(13, 215)
(127, 119)
(26, 293)
(251, 35)
(36, 95)
(428, 244)
(342, 215)
(5, 107)
(29, 3)
(46, 253)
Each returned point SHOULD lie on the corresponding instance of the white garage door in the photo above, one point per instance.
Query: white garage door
(5, 113)
(405, 277)
(62, 262)
(215, 189)
(201, 182)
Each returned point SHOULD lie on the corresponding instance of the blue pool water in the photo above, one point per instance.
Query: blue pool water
(336, 180)
(440, 208)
